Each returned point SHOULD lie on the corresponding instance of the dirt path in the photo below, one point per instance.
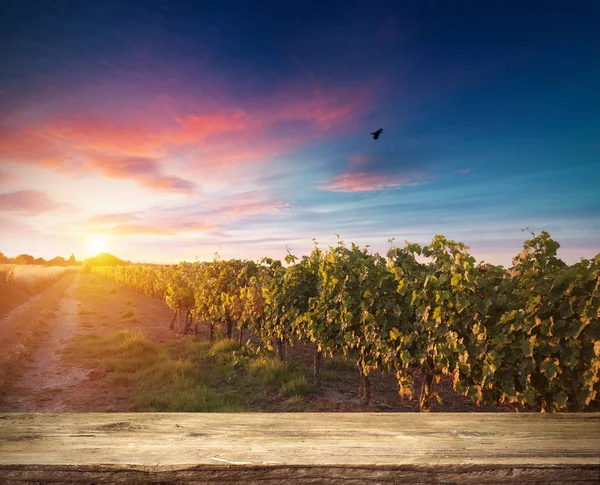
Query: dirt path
(18, 311)
(42, 386)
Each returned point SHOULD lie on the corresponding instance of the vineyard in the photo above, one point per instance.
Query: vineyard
(528, 335)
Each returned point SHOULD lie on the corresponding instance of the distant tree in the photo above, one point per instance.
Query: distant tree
(72, 261)
(103, 259)
(58, 261)
(25, 259)
(3, 258)
(40, 261)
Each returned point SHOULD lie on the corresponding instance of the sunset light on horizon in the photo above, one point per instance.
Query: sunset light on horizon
(167, 131)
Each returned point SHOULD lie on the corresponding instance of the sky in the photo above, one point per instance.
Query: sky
(163, 131)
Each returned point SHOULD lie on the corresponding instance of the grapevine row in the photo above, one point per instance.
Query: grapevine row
(529, 335)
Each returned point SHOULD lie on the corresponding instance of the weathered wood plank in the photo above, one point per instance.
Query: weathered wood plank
(305, 448)
(275, 475)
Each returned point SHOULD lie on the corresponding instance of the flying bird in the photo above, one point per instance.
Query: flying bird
(377, 133)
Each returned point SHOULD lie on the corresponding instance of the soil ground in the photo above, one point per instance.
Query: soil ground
(40, 380)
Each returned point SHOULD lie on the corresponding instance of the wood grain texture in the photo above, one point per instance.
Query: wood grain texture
(300, 448)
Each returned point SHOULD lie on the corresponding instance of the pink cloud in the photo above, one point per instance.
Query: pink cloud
(28, 201)
(255, 208)
(358, 182)
(145, 171)
(249, 203)
(17, 229)
(280, 124)
(115, 136)
(4, 177)
(325, 108)
(193, 226)
(29, 145)
(358, 178)
(207, 136)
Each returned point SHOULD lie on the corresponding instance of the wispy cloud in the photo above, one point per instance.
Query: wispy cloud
(139, 229)
(129, 224)
(365, 174)
(30, 202)
(364, 182)
(145, 171)
(207, 138)
(193, 226)
(108, 219)
(255, 208)
(17, 230)
(249, 203)
(30, 144)
(4, 177)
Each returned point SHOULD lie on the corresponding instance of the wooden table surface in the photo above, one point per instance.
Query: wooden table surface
(300, 448)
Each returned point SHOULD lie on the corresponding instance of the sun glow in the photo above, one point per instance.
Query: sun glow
(97, 245)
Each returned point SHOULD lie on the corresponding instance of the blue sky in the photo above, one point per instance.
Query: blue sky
(164, 131)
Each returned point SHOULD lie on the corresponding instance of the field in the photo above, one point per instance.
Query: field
(97, 347)
(339, 330)
(19, 282)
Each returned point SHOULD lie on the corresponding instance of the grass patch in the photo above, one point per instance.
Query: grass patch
(288, 378)
(269, 371)
(297, 386)
(191, 399)
(121, 351)
(224, 346)
(190, 375)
